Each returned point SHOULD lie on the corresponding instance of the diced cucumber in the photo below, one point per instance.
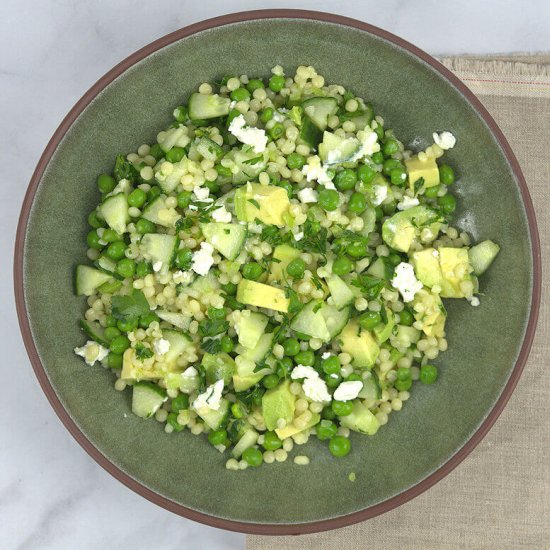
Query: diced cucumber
(361, 420)
(262, 348)
(153, 210)
(88, 279)
(188, 384)
(369, 221)
(319, 109)
(208, 284)
(208, 149)
(335, 149)
(226, 238)
(340, 292)
(335, 319)
(384, 330)
(247, 440)
(311, 321)
(110, 287)
(106, 264)
(249, 326)
(205, 106)
(169, 174)
(381, 269)
(371, 388)
(361, 118)
(407, 335)
(215, 419)
(159, 247)
(179, 320)
(248, 163)
(95, 331)
(218, 367)
(114, 211)
(310, 132)
(147, 398)
(482, 256)
(173, 137)
(179, 342)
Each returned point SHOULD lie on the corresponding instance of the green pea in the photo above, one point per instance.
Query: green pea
(105, 183)
(147, 319)
(389, 208)
(214, 186)
(180, 402)
(142, 269)
(377, 158)
(403, 385)
(306, 358)
(370, 319)
(234, 113)
(227, 344)
(446, 174)
(379, 131)
(237, 410)
(175, 154)
(253, 457)
(127, 325)
(328, 414)
(353, 377)
(326, 430)
(357, 203)
(115, 251)
(403, 373)
(295, 160)
(180, 113)
(110, 236)
(333, 380)
(183, 258)
(277, 130)
(357, 249)
(342, 266)
(110, 321)
(277, 82)
(184, 199)
(379, 213)
(447, 204)
(428, 374)
(217, 437)
(230, 289)
(93, 240)
(126, 267)
(329, 199)
(287, 186)
(172, 420)
(145, 226)
(339, 446)
(394, 259)
(391, 164)
(296, 268)
(270, 381)
(331, 365)
(156, 151)
(252, 271)
(366, 173)
(398, 176)
(111, 332)
(222, 171)
(431, 192)
(119, 344)
(345, 180)
(291, 347)
(406, 318)
(342, 408)
(266, 115)
(240, 94)
(114, 360)
(153, 193)
(255, 84)
(390, 147)
(284, 366)
(94, 220)
(271, 441)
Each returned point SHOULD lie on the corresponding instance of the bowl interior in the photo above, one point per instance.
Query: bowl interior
(484, 342)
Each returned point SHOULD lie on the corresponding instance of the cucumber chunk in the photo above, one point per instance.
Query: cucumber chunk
(227, 238)
(173, 137)
(158, 247)
(88, 279)
(205, 106)
(482, 256)
(157, 212)
(95, 331)
(335, 319)
(247, 440)
(335, 149)
(310, 132)
(179, 320)
(361, 420)
(310, 321)
(319, 109)
(179, 342)
(209, 149)
(114, 210)
(215, 419)
(340, 292)
(147, 398)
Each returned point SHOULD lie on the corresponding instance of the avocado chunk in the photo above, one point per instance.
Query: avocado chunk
(245, 377)
(291, 429)
(455, 269)
(400, 230)
(283, 254)
(278, 403)
(361, 420)
(426, 169)
(335, 149)
(249, 327)
(433, 316)
(260, 295)
(427, 268)
(360, 344)
(268, 203)
(218, 367)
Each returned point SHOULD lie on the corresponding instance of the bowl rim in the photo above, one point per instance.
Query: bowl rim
(134, 484)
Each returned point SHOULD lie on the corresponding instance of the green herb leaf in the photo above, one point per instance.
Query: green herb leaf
(370, 286)
(212, 327)
(254, 160)
(127, 308)
(315, 238)
(418, 184)
(124, 169)
(183, 224)
(143, 352)
(255, 203)
(211, 345)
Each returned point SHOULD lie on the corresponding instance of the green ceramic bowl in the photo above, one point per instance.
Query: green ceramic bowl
(438, 427)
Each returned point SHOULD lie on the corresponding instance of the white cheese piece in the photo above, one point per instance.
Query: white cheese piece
(314, 171)
(91, 352)
(201, 193)
(314, 387)
(308, 195)
(190, 372)
(255, 137)
(407, 202)
(202, 259)
(326, 355)
(347, 391)
(211, 398)
(161, 346)
(380, 194)
(405, 281)
(157, 266)
(221, 215)
(445, 140)
(184, 277)
(474, 301)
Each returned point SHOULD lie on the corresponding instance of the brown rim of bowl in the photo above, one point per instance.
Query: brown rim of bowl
(103, 461)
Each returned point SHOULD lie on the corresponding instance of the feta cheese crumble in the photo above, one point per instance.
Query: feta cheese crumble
(201, 193)
(407, 202)
(445, 140)
(314, 387)
(314, 171)
(211, 398)
(221, 215)
(347, 391)
(474, 301)
(380, 194)
(326, 355)
(161, 346)
(184, 277)
(190, 372)
(308, 195)
(157, 266)
(405, 281)
(255, 137)
(202, 259)
(91, 352)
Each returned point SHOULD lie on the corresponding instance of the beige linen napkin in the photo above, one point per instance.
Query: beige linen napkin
(499, 497)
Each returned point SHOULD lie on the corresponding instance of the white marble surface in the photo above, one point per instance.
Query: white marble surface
(52, 495)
